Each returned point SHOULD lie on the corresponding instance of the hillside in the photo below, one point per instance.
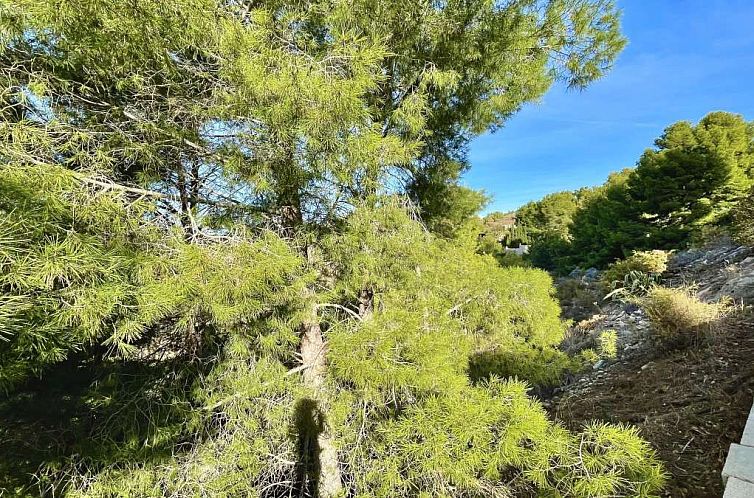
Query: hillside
(240, 257)
(690, 403)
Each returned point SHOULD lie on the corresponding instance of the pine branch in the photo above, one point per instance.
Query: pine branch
(152, 193)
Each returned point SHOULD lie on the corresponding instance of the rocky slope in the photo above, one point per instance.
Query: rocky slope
(690, 403)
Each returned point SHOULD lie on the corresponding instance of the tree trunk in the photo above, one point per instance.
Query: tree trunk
(313, 355)
(366, 303)
(313, 348)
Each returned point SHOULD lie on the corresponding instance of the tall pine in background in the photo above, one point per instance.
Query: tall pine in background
(695, 179)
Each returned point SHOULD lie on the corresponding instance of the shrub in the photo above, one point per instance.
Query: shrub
(578, 298)
(509, 259)
(634, 276)
(608, 343)
(608, 451)
(588, 357)
(491, 246)
(650, 262)
(678, 316)
(588, 348)
(488, 244)
(550, 253)
(425, 398)
(635, 284)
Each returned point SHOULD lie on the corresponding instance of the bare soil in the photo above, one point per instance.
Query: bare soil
(689, 404)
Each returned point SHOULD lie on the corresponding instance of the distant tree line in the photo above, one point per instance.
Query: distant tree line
(696, 180)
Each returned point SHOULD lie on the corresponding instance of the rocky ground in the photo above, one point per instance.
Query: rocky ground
(692, 403)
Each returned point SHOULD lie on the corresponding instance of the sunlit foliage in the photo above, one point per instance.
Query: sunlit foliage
(211, 285)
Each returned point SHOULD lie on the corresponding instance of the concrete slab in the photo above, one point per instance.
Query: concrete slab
(739, 464)
(737, 488)
(748, 438)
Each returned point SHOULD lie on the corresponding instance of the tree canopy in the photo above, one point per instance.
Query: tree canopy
(695, 177)
(549, 216)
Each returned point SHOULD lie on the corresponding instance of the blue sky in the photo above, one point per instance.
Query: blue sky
(684, 59)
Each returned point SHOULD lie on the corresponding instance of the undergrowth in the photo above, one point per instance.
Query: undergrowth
(679, 317)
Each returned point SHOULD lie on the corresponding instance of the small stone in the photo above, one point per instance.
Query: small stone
(591, 275)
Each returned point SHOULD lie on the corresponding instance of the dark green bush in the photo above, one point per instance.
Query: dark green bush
(744, 219)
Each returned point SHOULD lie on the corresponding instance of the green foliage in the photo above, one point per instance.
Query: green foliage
(191, 196)
(602, 228)
(488, 245)
(515, 236)
(636, 275)
(494, 238)
(468, 442)
(602, 346)
(476, 63)
(192, 98)
(588, 357)
(384, 250)
(245, 407)
(695, 176)
(692, 180)
(609, 451)
(546, 223)
(116, 288)
(69, 258)
(551, 253)
(744, 219)
(82, 269)
(635, 284)
(608, 343)
(579, 299)
(448, 210)
(651, 262)
(508, 259)
(405, 394)
(688, 185)
(550, 216)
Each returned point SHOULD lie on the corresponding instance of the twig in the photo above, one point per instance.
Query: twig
(338, 306)
(686, 446)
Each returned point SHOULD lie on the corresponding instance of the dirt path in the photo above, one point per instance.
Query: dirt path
(689, 404)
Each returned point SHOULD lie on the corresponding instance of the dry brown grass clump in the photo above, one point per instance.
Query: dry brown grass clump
(679, 317)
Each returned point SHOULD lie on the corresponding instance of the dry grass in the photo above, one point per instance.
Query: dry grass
(679, 317)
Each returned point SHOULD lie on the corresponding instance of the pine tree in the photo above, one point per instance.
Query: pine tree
(194, 222)
(695, 177)
(472, 65)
